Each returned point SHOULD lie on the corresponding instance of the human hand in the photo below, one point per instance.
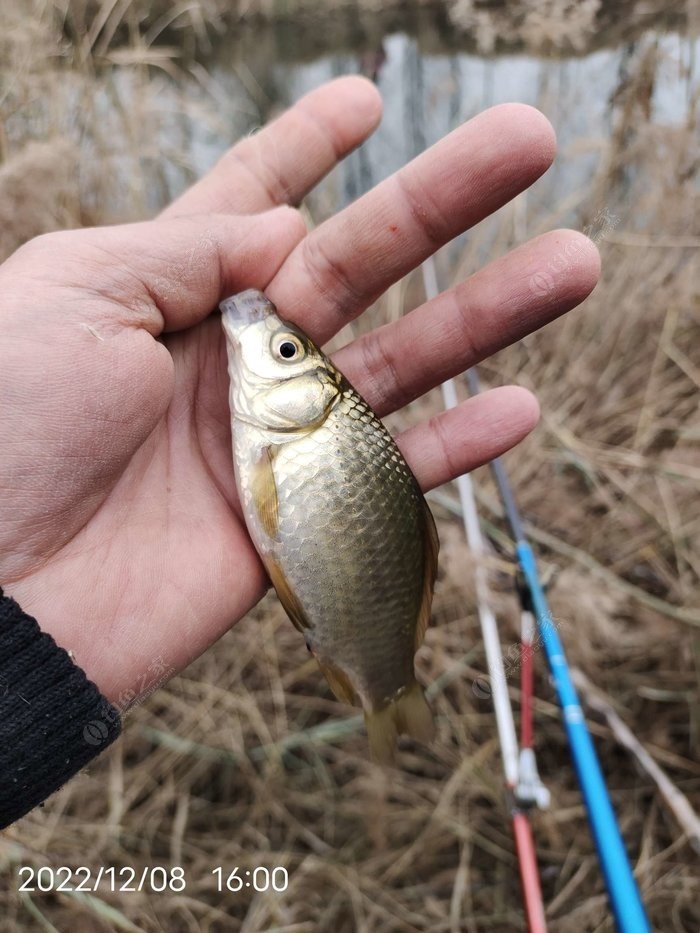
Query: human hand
(119, 525)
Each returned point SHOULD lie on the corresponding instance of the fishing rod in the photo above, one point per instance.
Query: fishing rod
(519, 791)
(623, 892)
(522, 830)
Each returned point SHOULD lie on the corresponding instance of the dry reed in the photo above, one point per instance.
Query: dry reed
(244, 759)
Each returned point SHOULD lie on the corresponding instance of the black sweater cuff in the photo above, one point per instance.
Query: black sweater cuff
(53, 720)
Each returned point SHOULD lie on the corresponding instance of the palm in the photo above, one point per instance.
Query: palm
(165, 541)
(121, 532)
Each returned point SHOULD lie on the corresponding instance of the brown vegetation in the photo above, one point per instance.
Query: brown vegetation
(245, 759)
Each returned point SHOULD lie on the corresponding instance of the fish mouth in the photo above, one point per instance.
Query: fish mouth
(243, 309)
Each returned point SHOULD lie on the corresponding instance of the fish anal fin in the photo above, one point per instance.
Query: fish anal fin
(287, 596)
(408, 714)
(264, 492)
(338, 680)
(431, 545)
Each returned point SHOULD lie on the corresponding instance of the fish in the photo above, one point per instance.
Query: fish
(336, 515)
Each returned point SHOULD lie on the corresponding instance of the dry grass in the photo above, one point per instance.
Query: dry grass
(245, 760)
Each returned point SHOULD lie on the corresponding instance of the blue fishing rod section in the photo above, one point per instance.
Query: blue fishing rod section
(623, 892)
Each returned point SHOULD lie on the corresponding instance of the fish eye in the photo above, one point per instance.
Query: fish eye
(287, 348)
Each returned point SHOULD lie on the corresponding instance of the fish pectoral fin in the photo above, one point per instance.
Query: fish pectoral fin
(431, 544)
(408, 714)
(264, 492)
(338, 680)
(287, 596)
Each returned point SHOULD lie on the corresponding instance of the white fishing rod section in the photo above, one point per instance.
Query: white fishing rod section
(494, 656)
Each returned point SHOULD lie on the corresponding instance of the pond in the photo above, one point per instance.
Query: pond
(429, 87)
(145, 115)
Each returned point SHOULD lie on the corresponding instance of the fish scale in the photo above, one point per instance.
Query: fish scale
(358, 464)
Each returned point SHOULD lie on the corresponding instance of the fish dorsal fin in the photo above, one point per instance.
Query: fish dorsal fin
(287, 596)
(264, 492)
(430, 565)
(338, 680)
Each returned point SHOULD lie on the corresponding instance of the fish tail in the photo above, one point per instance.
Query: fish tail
(409, 713)
(413, 715)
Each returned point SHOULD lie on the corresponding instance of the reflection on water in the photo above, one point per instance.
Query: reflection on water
(427, 95)
(142, 128)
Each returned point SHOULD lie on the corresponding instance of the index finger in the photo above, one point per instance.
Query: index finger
(289, 156)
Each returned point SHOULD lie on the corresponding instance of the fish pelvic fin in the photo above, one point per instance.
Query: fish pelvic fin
(286, 594)
(407, 714)
(338, 680)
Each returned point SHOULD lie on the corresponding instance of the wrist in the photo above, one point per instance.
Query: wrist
(53, 720)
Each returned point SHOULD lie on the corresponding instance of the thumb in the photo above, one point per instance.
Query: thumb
(163, 274)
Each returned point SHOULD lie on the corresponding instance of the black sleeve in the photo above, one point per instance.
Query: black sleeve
(53, 720)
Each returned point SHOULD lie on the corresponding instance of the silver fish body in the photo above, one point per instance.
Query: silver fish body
(336, 515)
